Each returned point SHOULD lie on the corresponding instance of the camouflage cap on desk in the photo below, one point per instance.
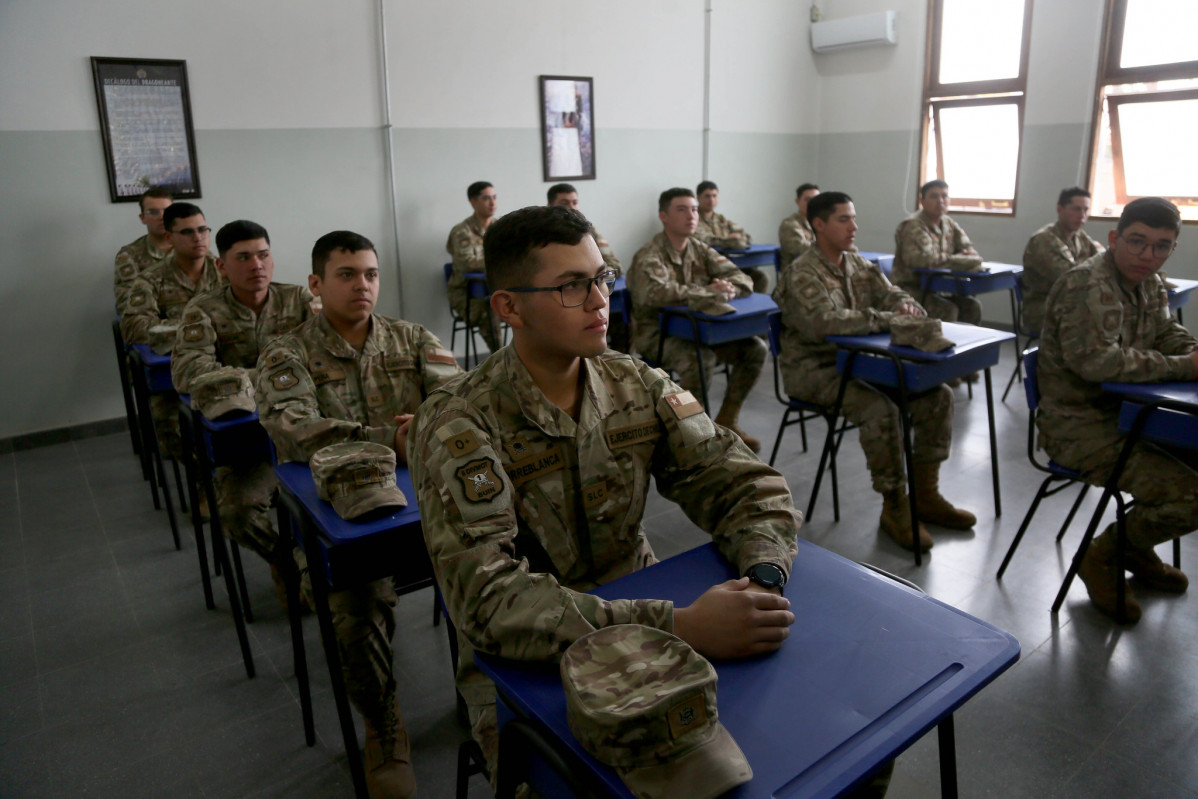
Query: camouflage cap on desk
(357, 477)
(222, 391)
(162, 337)
(921, 332)
(643, 702)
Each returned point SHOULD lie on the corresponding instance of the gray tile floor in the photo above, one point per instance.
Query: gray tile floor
(116, 682)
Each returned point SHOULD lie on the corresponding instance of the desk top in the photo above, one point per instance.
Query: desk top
(869, 666)
(967, 338)
(751, 249)
(1182, 285)
(1145, 392)
(753, 305)
(297, 479)
(990, 267)
(874, 256)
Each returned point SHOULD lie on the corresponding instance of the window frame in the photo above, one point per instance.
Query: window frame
(937, 95)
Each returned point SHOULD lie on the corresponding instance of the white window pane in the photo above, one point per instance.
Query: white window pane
(981, 150)
(980, 40)
(1158, 155)
(1159, 32)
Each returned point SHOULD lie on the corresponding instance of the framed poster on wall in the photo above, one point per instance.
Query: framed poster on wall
(145, 122)
(567, 128)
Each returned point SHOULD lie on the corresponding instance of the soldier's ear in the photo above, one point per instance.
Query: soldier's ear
(220, 267)
(314, 284)
(507, 308)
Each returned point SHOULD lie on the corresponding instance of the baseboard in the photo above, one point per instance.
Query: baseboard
(60, 435)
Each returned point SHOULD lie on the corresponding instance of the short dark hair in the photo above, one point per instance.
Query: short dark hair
(330, 243)
(669, 195)
(804, 187)
(931, 184)
(559, 188)
(474, 189)
(706, 185)
(821, 205)
(156, 192)
(1067, 195)
(1155, 212)
(239, 230)
(178, 211)
(511, 240)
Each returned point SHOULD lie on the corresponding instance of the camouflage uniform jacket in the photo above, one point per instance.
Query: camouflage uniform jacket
(818, 299)
(217, 331)
(609, 257)
(161, 293)
(920, 244)
(525, 509)
(465, 245)
(794, 236)
(314, 389)
(133, 259)
(661, 276)
(1096, 330)
(720, 231)
(1049, 254)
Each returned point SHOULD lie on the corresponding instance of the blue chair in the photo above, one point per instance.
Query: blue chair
(1020, 330)
(802, 412)
(1059, 478)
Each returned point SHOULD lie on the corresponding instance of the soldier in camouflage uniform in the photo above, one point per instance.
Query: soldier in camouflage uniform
(717, 230)
(795, 234)
(161, 292)
(1053, 250)
(348, 374)
(675, 268)
(465, 245)
(229, 326)
(831, 290)
(532, 474)
(1109, 320)
(566, 195)
(150, 250)
(931, 239)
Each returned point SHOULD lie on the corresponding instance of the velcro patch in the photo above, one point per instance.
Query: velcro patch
(394, 362)
(594, 494)
(193, 332)
(463, 443)
(138, 299)
(537, 465)
(479, 482)
(633, 434)
(284, 380)
(128, 270)
(322, 376)
(517, 447)
(687, 715)
(684, 404)
(274, 359)
(438, 355)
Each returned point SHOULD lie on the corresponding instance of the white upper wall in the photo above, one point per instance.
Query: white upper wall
(250, 64)
(1063, 63)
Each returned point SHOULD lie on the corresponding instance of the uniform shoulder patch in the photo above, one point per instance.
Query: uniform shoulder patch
(684, 404)
(274, 359)
(193, 332)
(284, 380)
(479, 482)
(138, 299)
(439, 355)
(462, 444)
(128, 270)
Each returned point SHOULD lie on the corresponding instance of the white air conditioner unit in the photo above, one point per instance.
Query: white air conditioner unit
(864, 31)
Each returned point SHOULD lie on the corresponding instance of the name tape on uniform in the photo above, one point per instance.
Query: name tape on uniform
(633, 434)
(537, 465)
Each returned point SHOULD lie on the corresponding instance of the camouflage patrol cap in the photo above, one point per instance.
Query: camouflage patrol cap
(162, 337)
(921, 332)
(222, 391)
(643, 702)
(357, 477)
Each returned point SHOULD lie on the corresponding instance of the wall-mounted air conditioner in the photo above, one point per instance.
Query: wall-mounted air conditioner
(865, 31)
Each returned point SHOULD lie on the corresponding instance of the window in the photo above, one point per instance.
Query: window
(1146, 107)
(976, 76)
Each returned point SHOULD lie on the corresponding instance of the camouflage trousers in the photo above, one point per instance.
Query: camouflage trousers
(364, 624)
(164, 409)
(879, 428)
(481, 318)
(746, 357)
(243, 494)
(951, 308)
(1164, 486)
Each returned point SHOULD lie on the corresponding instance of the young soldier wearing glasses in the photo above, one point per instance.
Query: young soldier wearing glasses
(1108, 320)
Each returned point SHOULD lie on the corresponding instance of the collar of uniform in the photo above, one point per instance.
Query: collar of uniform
(840, 269)
(1139, 293)
(153, 251)
(534, 405)
(476, 226)
(803, 222)
(928, 223)
(667, 249)
(340, 348)
(1059, 231)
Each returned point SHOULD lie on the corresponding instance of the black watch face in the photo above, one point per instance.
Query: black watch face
(767, 575)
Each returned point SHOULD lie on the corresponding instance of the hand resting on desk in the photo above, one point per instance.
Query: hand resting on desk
(735, 619)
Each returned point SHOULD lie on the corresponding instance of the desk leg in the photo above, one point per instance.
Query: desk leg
(993, 444)
(328, 637)
(149, 440)
(909, 458)
(221, 555)
(299, 658)
(190, 467)
(948, 759)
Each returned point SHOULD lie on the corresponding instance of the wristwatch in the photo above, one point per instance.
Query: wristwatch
(767, 575)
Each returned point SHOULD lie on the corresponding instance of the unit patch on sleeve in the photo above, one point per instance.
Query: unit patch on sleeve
(284, 380)
(194, 332)
(438, 355)
(479, 482)
(684, 404)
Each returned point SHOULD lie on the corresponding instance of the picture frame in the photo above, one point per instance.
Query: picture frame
(146, 127)
(567, 127)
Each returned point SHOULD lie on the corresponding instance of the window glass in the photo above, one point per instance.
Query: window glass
(981, 40)
(1159, 32)
(981, 150)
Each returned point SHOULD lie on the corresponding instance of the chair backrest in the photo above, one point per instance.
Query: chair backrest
(1031, 381)
(775, 321)
(448, 271)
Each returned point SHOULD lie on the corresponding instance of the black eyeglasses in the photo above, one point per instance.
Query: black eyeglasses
(189, 232)
(575, 292)
(1137, 245)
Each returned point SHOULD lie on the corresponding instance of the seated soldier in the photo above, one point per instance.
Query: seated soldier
(1108, 320)
(150, 250)
(717, 230)
(228, 327)
(831, 290)
(675, 268)
(465, 244)
(1053, 250)
(565, 195)
(533, 471)
(931, 239)
(161, 292)
(348, 374)
(795, 234)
